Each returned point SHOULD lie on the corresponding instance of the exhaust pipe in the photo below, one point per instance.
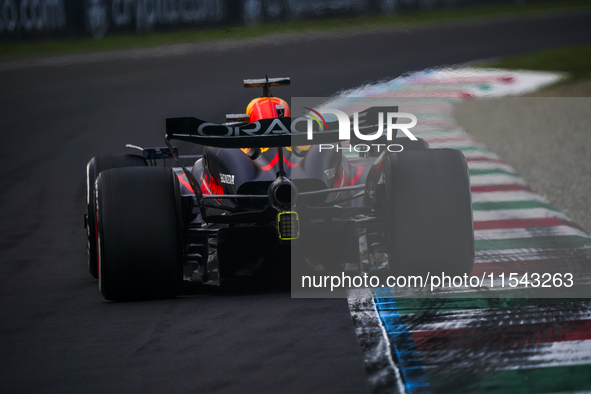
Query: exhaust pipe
(282, 194)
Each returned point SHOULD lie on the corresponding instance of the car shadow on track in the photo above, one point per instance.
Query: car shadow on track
(239, 287)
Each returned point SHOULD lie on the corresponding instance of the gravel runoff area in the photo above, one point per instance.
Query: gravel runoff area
(546, 137)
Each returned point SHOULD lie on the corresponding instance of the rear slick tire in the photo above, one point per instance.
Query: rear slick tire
(429, 213)
(139, 232)
(94, 167)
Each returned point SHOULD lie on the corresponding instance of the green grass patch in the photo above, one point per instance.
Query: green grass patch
(574, 60)
(553, 379)
(131, 40)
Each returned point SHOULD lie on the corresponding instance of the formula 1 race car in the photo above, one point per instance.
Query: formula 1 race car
(266, 200)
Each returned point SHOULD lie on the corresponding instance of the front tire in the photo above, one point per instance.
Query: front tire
(429, 212)
(140, 233)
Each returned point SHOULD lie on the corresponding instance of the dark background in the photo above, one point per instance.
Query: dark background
(39, 19)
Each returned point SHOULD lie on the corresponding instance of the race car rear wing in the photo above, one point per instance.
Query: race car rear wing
(263, 133)
(267, 132)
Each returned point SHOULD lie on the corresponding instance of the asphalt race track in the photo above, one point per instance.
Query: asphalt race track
(57, 333)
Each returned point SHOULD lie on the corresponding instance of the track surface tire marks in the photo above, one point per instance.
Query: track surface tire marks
(57, 333)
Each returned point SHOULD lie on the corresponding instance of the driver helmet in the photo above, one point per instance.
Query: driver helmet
(267, 108)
